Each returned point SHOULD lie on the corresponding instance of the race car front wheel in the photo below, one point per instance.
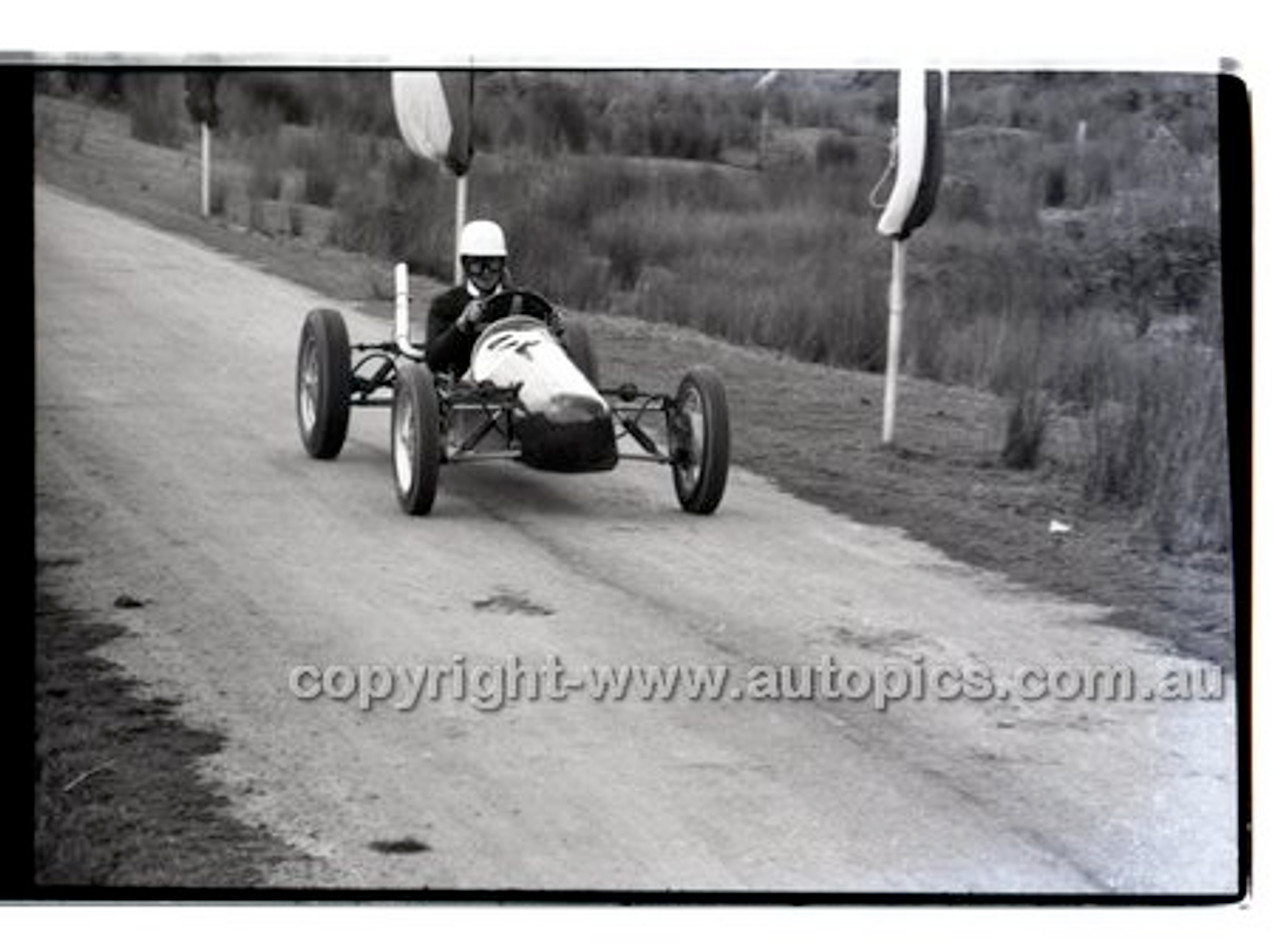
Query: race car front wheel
(323, 384)
(415, 438)
(698, 430)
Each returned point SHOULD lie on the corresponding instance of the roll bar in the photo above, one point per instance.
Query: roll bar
(403, 343)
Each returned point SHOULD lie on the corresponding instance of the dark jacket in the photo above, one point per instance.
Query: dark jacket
(448, 345)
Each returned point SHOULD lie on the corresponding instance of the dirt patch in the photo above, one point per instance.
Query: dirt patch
(507, 602)
(400, 846)
(813, 430)
(118, 800)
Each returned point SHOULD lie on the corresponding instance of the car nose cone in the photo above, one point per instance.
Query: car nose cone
(568, 409)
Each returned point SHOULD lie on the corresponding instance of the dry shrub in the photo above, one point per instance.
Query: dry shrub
(1163, 448)
(1025, 429)
(154, 102)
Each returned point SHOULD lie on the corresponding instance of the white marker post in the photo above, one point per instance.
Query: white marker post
(921, 106)
(897, 305)
(459, 220)
(402, 334)
(205, 168)
(761, 88)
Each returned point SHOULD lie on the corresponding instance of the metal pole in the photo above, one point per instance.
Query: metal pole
(204, 169)
(402, 332)
(459, 220)
(896, 304)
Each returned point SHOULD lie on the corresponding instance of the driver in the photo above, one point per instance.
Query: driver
(456, 316)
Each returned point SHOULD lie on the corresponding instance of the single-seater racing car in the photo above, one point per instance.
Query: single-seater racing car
(531, 395)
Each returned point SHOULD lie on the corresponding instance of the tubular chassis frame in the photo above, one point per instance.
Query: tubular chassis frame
(499, 406)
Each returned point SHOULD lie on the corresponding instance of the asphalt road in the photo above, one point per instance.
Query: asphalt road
(168, 462)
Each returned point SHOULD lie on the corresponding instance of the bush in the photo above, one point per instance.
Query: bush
(324, 157)
(101, 88)
(1147, 255)
(1024, 432)
(284, 94)
(219, 190)
(361, 224)
(836, 152)
(154, 102)
(561, 123)
(1163, 448)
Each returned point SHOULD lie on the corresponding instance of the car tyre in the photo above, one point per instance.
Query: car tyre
(415, 439)
(699, 437)
(322, 388)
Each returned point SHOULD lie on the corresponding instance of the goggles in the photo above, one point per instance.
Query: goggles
(481, 266)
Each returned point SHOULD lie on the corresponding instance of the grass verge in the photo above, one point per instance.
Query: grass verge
(118, 799)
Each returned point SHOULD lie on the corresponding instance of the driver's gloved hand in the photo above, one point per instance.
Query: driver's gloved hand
(472, 315)
(555, 322)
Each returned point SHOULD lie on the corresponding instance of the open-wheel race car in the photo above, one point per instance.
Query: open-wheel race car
(531, 395)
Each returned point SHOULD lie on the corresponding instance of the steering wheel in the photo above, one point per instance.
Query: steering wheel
(517, 302)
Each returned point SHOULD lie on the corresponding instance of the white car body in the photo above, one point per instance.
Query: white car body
(564, 424)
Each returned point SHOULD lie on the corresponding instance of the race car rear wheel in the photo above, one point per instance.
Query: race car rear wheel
(699, 439)
(323, 384)
(577, 344)
(415, 438)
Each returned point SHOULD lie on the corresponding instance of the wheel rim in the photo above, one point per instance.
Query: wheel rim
(405, 442)
(309, 385)
(690, 470)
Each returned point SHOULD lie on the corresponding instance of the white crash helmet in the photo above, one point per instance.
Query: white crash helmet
(482, 238)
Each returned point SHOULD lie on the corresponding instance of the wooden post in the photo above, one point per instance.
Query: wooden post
(459, 220)
(897, 292)
(205, 169)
